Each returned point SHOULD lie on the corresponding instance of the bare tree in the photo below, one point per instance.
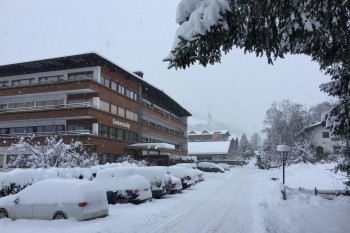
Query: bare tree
(283, 120)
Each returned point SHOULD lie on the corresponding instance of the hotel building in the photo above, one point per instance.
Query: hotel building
(90, 99)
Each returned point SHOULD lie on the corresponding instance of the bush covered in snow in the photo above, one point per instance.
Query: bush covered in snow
(51, 153)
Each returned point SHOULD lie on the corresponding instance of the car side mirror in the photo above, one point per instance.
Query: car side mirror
(16, 201)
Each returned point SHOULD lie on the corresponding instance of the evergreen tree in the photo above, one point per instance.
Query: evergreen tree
(317, 28)
(244, 144)
(255, 141)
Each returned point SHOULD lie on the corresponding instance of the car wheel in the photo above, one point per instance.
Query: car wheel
(59, 215)
(111, 198)
(3, 214)
(122, 200)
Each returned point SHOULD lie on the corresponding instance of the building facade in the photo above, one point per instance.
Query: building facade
(208, 135)
(321, 139)
(87, 98)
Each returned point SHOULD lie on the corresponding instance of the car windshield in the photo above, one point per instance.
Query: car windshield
(243, 104)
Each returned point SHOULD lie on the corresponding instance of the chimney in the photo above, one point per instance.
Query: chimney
(139, 73)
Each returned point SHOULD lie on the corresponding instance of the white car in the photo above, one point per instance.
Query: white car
(188, 165)
(187, 175)
(155, 177)
(224, 166)
(199, 175)
(209, 167)
(125, 189)
(56, 199)
(176, 185)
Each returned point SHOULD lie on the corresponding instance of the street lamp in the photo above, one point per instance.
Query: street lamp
(283, 149)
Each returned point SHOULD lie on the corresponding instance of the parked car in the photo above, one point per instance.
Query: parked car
(224, 166)
(188, 165)
(56, 199)
(199, 175)
(176, 185)
(156, 177)
(186, 175)
(209, 167)
(124, 189)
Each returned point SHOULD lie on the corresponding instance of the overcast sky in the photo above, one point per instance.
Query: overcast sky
(137, 35)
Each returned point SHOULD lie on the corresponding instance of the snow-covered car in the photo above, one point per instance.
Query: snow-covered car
(124, 189)
(224, 166)
(199, 175)
(209, 167)
(186, 175)
(56, 199)
(188, 165)
(156, 177)
(176, 184)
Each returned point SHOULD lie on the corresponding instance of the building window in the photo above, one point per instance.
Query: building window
(113, 132)
(21, 82)
(103, 130)
(80, 101)
(105, 81)
(136, 97)
(335, 139)
(104, 106)
(120, 133)
(4, 83)
(129, 115)
(121, 112)
(21, 105)
(121, 89)
(80, 76)
(114, 86)
(80, 127)
(49, 103)
(51, 79)
(5, 131)
(114, 109)
(325, 134)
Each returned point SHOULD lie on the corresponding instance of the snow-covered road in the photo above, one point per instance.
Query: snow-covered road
(241, 200)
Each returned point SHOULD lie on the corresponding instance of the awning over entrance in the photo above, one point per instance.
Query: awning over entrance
(163, 147)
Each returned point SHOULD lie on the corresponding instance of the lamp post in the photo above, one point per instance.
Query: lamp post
(283, 149)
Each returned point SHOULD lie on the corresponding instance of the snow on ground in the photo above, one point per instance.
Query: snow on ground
(244, 199)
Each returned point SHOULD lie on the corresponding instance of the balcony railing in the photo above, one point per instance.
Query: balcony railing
(48, 107)
(47, 134)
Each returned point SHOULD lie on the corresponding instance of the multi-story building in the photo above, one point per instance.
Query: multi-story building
(87, 98)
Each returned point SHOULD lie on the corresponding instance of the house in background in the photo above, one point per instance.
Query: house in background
(215, 150)
(208, 135)
(208, 144)
(321, 139)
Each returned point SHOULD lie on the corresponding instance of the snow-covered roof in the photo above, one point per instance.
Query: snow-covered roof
(210, 148)
(208, 132)
(154, 146)
(309, 128)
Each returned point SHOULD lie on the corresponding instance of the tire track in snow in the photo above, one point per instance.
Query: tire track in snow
(215, 217)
